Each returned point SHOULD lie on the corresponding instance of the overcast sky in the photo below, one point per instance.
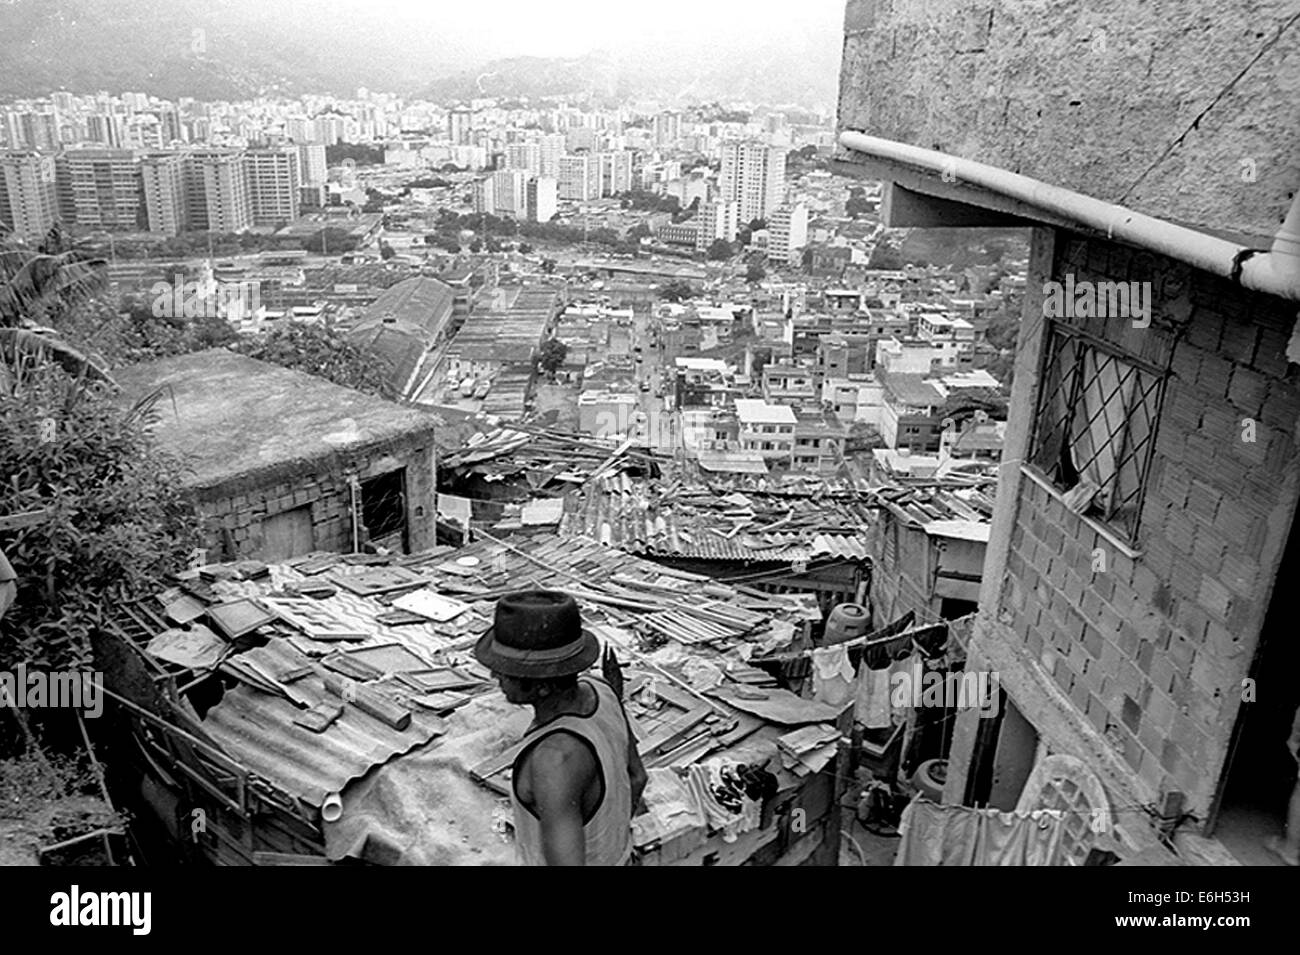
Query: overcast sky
(572, 27)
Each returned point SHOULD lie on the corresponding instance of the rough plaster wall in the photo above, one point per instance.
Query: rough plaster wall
(1137, 103)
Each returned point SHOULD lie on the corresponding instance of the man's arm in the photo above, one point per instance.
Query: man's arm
(636, 773)
(561, 768)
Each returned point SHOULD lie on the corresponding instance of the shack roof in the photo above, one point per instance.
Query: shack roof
(458, 729)
(234, 419)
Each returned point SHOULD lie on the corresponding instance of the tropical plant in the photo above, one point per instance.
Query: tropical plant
(114, 516)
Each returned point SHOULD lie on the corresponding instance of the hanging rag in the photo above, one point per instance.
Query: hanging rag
(934, 834)
(872, 709)
(833, 677)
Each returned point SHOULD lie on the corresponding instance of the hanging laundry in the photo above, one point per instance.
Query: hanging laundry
(873, 709)
(934, 834)
(833, 677)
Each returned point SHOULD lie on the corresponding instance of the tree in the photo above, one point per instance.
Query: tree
(385, 250)
(525, 248)
(757, 225)
(320, 351)
(963, 404)
(551, 356)
(755, 273)
(720, 250)
(676, 290)
(476, 246)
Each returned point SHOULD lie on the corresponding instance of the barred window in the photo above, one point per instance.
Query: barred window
(1095, 429)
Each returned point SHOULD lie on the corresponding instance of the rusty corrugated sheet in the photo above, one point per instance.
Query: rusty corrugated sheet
(258, 731)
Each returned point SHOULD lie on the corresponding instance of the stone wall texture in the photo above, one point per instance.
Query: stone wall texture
(1186, 110)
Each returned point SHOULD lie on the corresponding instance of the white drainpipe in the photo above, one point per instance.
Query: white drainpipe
(1275, 271)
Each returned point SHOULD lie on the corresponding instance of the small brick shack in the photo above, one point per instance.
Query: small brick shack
(284, 463)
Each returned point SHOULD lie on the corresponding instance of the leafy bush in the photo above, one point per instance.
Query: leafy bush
(116, 520)
(322, 352)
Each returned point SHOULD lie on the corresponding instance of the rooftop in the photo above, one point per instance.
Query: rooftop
(757, 411)
(231, 417)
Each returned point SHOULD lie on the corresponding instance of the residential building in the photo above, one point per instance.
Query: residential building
(909, 416)
(216, 191)
(311, 162)
(768, 430)
(100, 189)
(510, 193)
(28, 205)
(459, 124)
(579, 178)
(717, 220)
(787, 233)
(551, 149)
(485, 195)
(615, 172)
(162, 177)
(541, 199)
(526, 156)
(753, 174)
(274, 178)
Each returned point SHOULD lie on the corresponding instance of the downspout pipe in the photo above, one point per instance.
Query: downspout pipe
(1273, 271)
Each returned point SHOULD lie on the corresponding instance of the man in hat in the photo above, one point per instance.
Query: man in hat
(578, 774)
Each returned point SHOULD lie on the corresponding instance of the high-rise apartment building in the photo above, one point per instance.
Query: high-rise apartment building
(615, 172)
(485, 196)
(216, 191)
(311, 161)
(542, 198)
(754, 176)
(579, 178)
(162, 178)
(100, 189)
(273, 180)
(511, 192)
(525, 156)
(668, 128)
(27, 198)
(550, 152)
(459, 124)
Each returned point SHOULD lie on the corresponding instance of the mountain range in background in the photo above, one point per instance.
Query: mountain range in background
(232, 49)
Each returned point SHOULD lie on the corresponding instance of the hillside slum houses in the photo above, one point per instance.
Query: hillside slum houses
(1133, 596)
(327, 710)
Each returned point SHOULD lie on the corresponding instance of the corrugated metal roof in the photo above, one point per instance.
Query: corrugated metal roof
(257, 729)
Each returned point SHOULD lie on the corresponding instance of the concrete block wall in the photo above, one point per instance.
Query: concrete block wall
(899, 569)
(1153, 648)
(241, 510)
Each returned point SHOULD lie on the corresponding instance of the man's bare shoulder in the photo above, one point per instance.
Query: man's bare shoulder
(561, 753)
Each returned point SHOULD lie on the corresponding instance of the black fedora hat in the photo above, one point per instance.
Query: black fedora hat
(537, 634)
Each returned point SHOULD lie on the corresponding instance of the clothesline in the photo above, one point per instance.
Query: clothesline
(867, 641)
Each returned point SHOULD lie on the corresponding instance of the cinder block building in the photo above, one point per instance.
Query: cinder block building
(1134, 598)
(283, 463)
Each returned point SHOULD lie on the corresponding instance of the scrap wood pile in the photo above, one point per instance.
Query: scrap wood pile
(683, 519)
(564, 455)
(306, 675)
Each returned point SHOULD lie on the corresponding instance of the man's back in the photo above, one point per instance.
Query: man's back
(572, 789)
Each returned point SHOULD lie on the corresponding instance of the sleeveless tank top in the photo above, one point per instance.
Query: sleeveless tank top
(608, 833)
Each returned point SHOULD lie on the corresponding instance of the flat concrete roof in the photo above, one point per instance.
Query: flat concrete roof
(235, 420)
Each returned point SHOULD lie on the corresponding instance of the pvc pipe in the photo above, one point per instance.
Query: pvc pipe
(1275, 271)
(331, 810)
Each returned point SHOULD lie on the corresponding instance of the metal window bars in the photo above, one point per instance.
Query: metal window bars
(1097, 418)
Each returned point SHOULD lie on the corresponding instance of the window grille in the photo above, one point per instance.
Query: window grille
(1096, 423)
